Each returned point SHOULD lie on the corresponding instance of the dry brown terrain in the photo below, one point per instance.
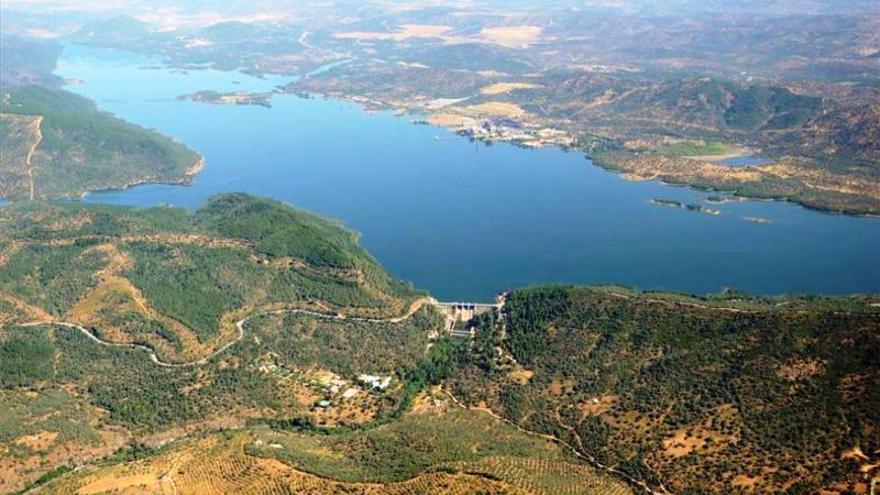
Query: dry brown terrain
(254, 461)
(503, 88)
(407, 31)
(787, 178)
(494, 109)
(219, 466)
(511, 36)
(451, 120)
(49, 446)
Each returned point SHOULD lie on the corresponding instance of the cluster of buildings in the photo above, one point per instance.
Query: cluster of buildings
(510, 130)
(332, 385)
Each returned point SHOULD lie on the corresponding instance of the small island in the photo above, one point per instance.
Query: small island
(231, 98)
(671, 203)
(720, 200)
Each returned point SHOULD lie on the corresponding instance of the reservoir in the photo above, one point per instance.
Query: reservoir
(465, 220)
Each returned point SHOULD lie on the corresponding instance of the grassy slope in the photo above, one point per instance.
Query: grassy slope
(85, 149)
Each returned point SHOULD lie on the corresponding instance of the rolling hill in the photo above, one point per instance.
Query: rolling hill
(249, 343)
(131, 336)
(728, 394)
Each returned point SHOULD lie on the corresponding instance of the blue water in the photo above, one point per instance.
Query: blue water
(745, 161)
(466, 220)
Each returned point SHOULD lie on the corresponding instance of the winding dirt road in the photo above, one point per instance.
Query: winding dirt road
(38, 121)
(240, 325)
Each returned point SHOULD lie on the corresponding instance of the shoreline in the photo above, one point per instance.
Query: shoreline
(425, 118)
(184, 180)
(422, 118)
(671, 203)
(633, 177)
(457, 127)
(196, 167)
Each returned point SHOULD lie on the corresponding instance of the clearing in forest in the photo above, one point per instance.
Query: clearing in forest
(511, 36)
(507, 87)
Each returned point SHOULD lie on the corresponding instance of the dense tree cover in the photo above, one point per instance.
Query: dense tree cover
(139, 326)
(193, 285)
(84, 149)
(349, 348)
(235, 253)
(25, 358)
(758, 388)
(144, 397)
(543, 306)
(142, 273)
(275, 229)
(433, 370)
(27, 61)
(769, 108)
(87, 224)
(51, 277)
(279, 230)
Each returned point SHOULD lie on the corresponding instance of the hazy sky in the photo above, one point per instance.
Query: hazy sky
(172, 14)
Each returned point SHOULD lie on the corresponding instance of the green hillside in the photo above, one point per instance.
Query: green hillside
(165, 291)
(123, 327)
(66, 147)
(700, 395)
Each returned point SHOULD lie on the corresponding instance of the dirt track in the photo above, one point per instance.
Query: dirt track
(240, 325)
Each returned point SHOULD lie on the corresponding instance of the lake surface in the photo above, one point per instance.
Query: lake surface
(466, 220)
